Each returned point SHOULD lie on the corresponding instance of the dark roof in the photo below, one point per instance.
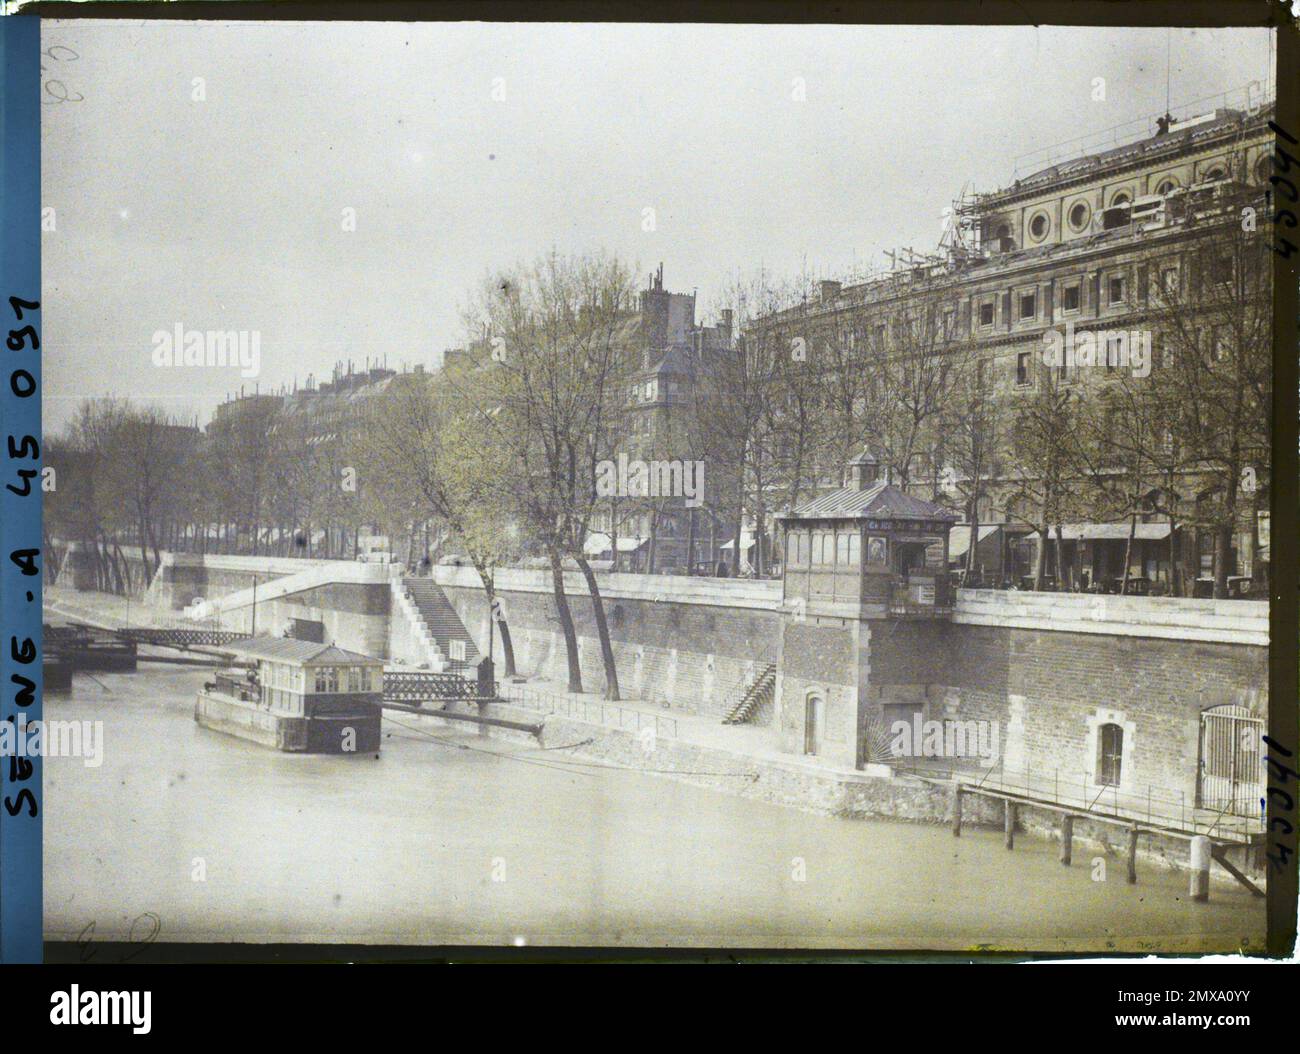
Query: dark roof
(290, 649)
(882, 501)
(675, 360)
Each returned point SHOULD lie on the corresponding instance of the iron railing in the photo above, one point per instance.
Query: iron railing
(593, 711)
(1075, 789)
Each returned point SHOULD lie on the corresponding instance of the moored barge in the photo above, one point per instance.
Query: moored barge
(296, 695)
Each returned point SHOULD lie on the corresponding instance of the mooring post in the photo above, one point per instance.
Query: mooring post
(1011, 823)
(1067, 838)
(956, 811)
(1200, 874)
(1132, 855)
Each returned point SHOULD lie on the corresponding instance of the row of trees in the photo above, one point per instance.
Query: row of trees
(500, 450)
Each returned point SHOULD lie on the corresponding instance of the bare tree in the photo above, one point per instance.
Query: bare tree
(563, 339)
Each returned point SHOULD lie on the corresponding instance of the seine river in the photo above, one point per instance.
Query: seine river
(452, 838)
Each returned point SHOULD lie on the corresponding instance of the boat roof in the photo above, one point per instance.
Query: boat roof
(301, 652)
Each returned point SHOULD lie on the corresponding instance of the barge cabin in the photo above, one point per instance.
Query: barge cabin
(296, 695)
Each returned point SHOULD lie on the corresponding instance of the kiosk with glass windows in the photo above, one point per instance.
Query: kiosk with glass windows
(857, 559)
(296, 695)
(868, 550)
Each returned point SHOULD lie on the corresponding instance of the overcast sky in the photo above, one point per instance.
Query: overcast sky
(227, 213)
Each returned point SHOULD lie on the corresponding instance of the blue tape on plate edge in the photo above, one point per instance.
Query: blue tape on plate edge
(20, 516)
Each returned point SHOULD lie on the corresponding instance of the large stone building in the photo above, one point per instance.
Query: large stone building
(1129, 250)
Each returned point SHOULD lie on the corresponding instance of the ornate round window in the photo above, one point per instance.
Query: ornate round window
(1079, 216)
(1038, 227)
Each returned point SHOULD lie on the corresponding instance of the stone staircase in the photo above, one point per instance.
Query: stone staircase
(759, 692)
(443, 626)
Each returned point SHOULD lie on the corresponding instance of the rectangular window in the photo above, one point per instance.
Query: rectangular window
(1222, 270)
(1070, 297)
(1219, 343)
(1115, 288)
(842, 549)
(1169, 281)
(1028, 305)
(1111, 755)
(855, 549)
(986, 313)
(354, 679)
(1112, 355)
(1022, 368)
(828, 548)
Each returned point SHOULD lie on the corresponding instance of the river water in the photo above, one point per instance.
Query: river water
(452, 838)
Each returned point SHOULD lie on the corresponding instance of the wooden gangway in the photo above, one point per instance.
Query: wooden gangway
(1223, 831)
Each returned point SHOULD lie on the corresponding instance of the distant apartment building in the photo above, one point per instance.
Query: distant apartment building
(677, 525)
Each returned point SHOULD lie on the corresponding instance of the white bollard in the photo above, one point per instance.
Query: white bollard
(1200, 880)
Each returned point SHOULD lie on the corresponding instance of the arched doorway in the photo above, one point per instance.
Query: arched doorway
(814, 716)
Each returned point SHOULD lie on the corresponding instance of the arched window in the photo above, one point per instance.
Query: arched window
(1122, 198)
(1167, 187)
(1263, 168)
(1216, 173)
(1110, 754)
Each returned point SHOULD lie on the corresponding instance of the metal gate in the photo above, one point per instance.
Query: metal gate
(1232, 761)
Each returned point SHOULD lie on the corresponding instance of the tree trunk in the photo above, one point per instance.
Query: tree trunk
(1061, 582)
(972, 517)
(1040, 558)
(1175, 565)
(690, 541)
(566, 621)
(1128, 553)
(654, 539)
(615, 565)
(507, 646)
(1222, 555)
(602, 628)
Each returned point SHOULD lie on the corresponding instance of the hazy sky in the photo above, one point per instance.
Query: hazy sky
(227, 213)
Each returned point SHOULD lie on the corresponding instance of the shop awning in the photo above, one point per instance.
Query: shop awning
(959, 538)
(1110, 532)
(746, 541)
(598, 542)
